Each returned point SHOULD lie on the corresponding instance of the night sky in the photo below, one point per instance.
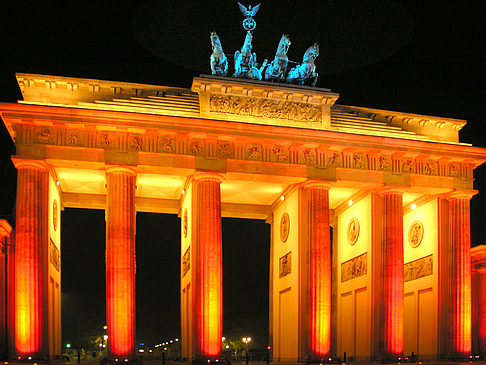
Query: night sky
(412, 56)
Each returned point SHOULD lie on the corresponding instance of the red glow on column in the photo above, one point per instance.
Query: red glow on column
(209, 276)
(393, 275)
(460, 275)
(319, 271)
(120, 262)
(28, 290)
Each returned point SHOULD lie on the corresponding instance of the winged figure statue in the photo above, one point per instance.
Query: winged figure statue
(250, 11)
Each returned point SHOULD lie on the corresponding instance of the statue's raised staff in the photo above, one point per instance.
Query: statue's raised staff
(219, 62)
(300, 74)
(278, 67)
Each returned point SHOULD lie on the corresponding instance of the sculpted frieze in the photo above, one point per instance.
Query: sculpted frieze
(419, 268)
(197, 148)
(44, 136)
(285, 265)
(384, 163)
(354, 268)
(360, 161)
(254, 152)
(335, 159)
(309, 156)
(166, 144)
(73, 139)
(225, 149)
(280, 154)
(265, 108)
(136, 143)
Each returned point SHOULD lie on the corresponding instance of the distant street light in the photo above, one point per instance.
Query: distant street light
(246, 340)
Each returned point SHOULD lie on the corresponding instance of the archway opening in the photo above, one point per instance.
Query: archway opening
(246, 260)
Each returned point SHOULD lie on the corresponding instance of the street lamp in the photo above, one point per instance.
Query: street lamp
(246, 340)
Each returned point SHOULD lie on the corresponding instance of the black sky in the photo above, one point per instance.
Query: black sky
(412, 56)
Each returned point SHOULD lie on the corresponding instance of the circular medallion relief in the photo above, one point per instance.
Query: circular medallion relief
(54, 214)
(284, 227)
(415, 233)
(184, 223)
(353, 231)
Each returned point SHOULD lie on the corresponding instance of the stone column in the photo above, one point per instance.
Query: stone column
(209, 266)
(459, 316)
(391, 321)
(478, 298)
(319, 284)
(5, 230)
(29, 258)
(120, 262)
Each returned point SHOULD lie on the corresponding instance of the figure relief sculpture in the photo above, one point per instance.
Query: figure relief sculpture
(219, 62)
(246, 62)
(307, 69)
(278, 67)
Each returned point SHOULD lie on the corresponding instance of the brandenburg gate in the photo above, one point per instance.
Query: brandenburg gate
(393, 187)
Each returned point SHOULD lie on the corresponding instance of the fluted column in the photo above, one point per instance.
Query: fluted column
(209, 266)
(29, 258)
(120, 262)
(319, 284)
(392, 330)
(5, 231)
(459, 315)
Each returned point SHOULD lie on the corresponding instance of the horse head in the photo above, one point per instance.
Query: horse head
(312, 53)
(283, 46)
(215, 42)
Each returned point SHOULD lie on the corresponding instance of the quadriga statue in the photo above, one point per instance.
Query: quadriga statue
(219, 62)
(278, 67)
(307, 69)
(245, 61)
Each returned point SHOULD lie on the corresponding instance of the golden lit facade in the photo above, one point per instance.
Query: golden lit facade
(369, 209)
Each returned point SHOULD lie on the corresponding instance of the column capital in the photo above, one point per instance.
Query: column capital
(391, 189)
(27, 162)
(458, 194)
(5, 228)
(316, 184)
(199, 175)
(115, 168)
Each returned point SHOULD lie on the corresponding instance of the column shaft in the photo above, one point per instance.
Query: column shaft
(392, 330)
(459, 277)
(209, 275)
(120, 263)
(319, 272)
(482, 313)
(5, 231)
(28, 261)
